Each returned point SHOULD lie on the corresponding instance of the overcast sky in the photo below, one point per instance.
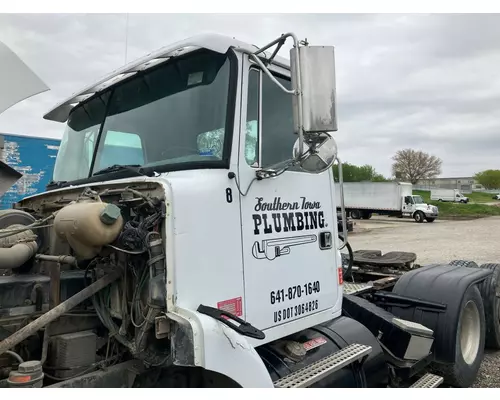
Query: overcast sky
(425, 81)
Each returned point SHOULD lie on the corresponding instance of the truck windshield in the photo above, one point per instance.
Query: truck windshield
(171, 117)
(418, 200)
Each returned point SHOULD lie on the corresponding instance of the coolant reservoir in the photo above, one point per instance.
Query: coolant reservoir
(88, 225)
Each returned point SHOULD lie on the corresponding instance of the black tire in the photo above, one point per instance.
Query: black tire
(355, 214)
(490, 292)
(419, 217)
(347, 260)
(367, 215)
(464, 263)
(430, 219)
(462, 374)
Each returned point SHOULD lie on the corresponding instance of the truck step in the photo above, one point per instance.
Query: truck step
(428, 381)
(356, 288)
(311, 374)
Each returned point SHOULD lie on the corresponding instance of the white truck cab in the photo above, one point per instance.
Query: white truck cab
(189, 239)
(416, 207)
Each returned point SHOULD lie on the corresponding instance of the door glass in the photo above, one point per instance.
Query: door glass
(252, 125)
(277, 122)
(274, 126)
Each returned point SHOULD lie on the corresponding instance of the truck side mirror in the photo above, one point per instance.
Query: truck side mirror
(314, 106)
(313, 80)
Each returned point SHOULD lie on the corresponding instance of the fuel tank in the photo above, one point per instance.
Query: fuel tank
(282, 358)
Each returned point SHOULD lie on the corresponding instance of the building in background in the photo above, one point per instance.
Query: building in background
(464, 184)
(34, 157)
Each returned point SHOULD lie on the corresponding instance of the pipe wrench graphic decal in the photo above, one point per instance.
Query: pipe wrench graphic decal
(272, 248)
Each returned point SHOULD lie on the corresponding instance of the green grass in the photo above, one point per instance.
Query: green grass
(472, 210)
(478, 197)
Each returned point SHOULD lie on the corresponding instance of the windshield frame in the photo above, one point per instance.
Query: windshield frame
(417, 196)
(229, 128)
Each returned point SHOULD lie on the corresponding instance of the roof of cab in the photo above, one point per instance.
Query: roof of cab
(215, 42)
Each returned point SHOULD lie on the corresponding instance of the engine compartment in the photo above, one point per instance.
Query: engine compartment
(82, 282)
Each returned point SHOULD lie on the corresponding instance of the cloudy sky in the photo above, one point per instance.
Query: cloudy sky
(425, 81)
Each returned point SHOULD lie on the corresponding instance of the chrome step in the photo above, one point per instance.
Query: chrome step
(428, 381)
(356, 288)
(311, 374)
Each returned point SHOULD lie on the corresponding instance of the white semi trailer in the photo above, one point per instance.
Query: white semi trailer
(362, 199)
(214, 260)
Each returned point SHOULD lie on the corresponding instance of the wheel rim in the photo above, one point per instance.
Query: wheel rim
(419, 217)
(470, 332)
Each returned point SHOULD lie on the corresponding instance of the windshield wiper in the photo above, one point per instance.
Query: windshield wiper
(136, 168)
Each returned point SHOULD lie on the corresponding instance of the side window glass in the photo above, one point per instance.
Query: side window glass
(277, 122)
(269, 120)
(252, 125)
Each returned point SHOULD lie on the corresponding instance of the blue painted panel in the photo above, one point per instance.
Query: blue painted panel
(34, 158)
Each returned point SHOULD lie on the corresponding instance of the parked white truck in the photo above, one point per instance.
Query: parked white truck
(453, 195)
(211, 263)
(362, 199)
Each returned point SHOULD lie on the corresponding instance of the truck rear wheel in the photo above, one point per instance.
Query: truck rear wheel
(367, 215)
(355, 214)
(469, 349)
(419, 217)
(490, 291)
(464, 263)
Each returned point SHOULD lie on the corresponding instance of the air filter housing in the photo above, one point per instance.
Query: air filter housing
(72, 353)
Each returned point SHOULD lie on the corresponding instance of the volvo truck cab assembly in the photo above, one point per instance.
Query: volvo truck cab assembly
(189, 238)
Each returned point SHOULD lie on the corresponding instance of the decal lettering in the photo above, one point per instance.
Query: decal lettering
(313, 343)
(293, 292)
(233, 306)
(281, 216)
(301, 215)
(291, 312)
(229, 195)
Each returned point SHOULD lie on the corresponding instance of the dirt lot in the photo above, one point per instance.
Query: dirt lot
(440, 241)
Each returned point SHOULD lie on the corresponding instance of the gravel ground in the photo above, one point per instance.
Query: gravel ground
(440, 241)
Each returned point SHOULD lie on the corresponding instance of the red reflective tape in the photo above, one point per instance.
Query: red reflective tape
(233, 306)
(313, 343)
(341, 277)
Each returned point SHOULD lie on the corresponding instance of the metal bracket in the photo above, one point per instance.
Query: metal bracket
(162, 327)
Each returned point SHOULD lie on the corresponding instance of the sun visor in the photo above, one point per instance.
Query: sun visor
(17, 81)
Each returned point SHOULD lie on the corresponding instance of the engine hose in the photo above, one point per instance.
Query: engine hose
(17, 255)
(15, 355)
(348, 270)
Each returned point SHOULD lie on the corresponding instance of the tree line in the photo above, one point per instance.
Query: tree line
(411, 165)
(408, 166)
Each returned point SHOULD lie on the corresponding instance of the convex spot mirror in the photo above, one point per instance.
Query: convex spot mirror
(318, 153)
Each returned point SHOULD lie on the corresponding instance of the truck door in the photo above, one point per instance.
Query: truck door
(408, 205)
(288, 222)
